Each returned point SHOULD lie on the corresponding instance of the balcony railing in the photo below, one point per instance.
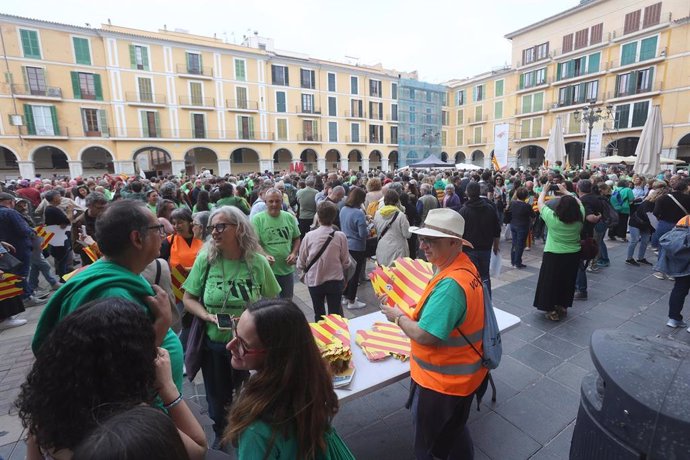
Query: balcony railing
(169, 134)
(308, 110)
(355, 114)
(614, 64)
(543, 59)
(536, 84)
(241, 104)
(654, 87)
(526, 111)
(530, 134)
(581, 73)
(61, 131)
(194, 70)
(580, 100)
(46, 91)
(145, 98)
(476, 141)
(664, 18)
(191, 101)
(355, 140)
(375, 116)
(308, 137)
(474, 120)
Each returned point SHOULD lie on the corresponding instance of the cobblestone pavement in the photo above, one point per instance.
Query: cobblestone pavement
(538, 380)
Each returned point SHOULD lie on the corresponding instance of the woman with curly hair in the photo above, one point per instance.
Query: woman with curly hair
(229, 272)
(286, 408)
(118, 368)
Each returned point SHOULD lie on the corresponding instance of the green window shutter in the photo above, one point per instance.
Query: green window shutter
(526, 104)
(536, 127)
(499, 88)
(250, 127)
(157, 120)
(144, 124)
(103, 122)
(628, 53)
(559, 71)
(315, 128)
(474, 94)
(81, 51)
(98, 87)
(53, 116)
(282, 129)
(145, 58)
(522, 81)
(240, 71)
(538, 103)
(593, 64)
(639, 114)
(30, 44)
(648, 48)
(29, 119)
(498, 110)
(280, 102)
(132, 57)
(76, 89)
(632, 82)
(570, 69)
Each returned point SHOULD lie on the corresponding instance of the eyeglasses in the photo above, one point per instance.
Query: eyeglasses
(240, 346)
(219, 228)
(429, 241)
(160, 228)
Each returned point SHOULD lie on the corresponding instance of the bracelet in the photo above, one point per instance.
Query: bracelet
(397, 320)
(177, 401)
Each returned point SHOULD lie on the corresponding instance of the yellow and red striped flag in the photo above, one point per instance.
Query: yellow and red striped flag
(92, 252)
(73, 272)
(403, 282)
(10, 287)
(383, 340)
(494, 162)
(332, 336)
(178, 275)
(45, 235)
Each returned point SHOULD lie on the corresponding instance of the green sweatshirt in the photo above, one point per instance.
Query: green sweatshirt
(100, 280)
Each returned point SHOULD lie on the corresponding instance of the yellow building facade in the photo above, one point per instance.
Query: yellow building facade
(84, 101)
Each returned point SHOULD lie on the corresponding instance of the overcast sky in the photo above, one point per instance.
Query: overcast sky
(442, 39)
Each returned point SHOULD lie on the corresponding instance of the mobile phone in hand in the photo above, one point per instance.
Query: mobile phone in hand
(224, 321)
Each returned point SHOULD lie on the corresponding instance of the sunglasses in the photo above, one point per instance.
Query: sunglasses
(219, 228)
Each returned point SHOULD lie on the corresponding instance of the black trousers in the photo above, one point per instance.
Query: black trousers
(329, 292)
(351, 289)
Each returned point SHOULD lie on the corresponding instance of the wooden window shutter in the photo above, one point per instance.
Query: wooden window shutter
(29, 119)
(53, 116)
(76, 88)
(581, 38)
(567, 43)
(632, 22)
(597, 33)
(98, 87)
(652, 15)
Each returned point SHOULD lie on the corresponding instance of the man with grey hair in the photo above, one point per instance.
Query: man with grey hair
(85, 224)
(306, 202)
(427, 201)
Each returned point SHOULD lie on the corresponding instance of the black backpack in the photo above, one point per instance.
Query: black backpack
(609, 214)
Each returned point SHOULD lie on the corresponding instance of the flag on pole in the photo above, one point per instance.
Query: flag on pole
(403, 282)
(46, 236)
(10, 287)
(178, 275)
(567, 163)
(494, 162)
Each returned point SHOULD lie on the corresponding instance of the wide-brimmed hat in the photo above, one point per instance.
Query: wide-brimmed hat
(443, 223)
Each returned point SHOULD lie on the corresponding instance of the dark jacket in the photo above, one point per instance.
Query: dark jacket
(639, 218)
(481, 223)
(453, 202)
(521, 214)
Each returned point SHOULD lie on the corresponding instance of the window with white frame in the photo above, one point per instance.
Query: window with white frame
(332, 131)
(280, 75)
(633, 115)
(582, 65)
(139, 57)
(331, 82)
(240, 69)
(578, 94)
(307, 79)
(354, 85)
(375, 88)
(281, 129)
(531, 127)
(533, 78)
(145, 88)
(281, 102)
(639, 50)
(94, 121)
(532, 103)
(635, 82)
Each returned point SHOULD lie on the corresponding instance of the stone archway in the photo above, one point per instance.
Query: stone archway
(96, 161)
(375, 159)
(683, 152)
(282, 159)
(198, 159)
(333, 159)
(310, 159)
(244, 160)
(460, 157)
(50, 161)
(477, 158)
(354, 160)
(575, 152)
(9, 168)
(444, 156)
(152, 161)
(624, 147)
(393, 160)
(530, 156)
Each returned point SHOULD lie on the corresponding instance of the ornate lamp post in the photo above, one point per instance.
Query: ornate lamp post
(430, 137)
(591, 115)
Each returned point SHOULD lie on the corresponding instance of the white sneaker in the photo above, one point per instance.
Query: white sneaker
(356, 305)
(12, 322)
(32, 301)
(675, 323)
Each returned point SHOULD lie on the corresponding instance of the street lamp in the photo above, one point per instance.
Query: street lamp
(591, 115)
(430, 137)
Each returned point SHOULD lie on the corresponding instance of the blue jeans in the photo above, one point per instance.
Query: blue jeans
(24, 255)
(518, 247)
(581, 279)
(330, 292)
(287, 285)
(662, 227)
(481, 258)
(678, 294)
(39, 264)
(599, 232)
(638, 236)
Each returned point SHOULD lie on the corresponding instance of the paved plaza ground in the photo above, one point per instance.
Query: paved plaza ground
(538, 380)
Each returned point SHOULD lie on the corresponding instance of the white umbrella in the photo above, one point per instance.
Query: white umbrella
(611, 160)
(555, 149)
(648, 151)
(467, 166)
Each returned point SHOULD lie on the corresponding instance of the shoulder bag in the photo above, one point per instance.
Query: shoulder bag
(195, 340)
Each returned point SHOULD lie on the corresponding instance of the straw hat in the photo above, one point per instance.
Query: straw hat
(443, 223)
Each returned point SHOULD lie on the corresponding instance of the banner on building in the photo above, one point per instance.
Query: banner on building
(501, 134)
(596, 141)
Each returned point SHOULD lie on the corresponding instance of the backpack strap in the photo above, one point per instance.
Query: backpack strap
(385, 230)
(679, 205)
(158, 272)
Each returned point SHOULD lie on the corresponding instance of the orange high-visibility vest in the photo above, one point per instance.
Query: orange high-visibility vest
(181, 253)
(453, 367)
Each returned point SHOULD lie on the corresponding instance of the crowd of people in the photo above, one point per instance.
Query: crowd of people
(209, 264)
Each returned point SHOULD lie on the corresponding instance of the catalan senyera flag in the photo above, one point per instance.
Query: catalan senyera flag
(179, 275)
(567, 163)
(332, 336)
(10, 287)
(494, 162)
(403, 282)
(73, 272)
(45, 235)
(384, 340)
(92, 252)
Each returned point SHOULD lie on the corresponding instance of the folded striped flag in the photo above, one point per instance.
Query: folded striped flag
(332, 336)
(384, 340)
(10, 287)
(403, 282)
(45, 235)
(179, 275)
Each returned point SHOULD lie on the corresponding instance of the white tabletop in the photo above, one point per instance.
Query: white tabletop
(371, 376)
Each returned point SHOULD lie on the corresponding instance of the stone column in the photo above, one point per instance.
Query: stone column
(26, 169)
(365, 164)
(124, 167)
(321, 164)
(177, 166)
(224, 167)
(75, 168)
(384, 164)
(265, 165)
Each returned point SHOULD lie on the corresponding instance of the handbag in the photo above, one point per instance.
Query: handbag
(316, 257)
(195, 340)
(10, 264)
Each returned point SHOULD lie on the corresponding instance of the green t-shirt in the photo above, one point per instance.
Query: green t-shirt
(153, 208)
(561, 238)
(437, 318)
(237, 202)
(211, 207)
(306, 198)
(255, 439)
(231, 279)
(275, 236)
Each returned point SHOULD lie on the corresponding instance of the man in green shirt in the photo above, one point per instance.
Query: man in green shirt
(279, 236)
(306, 198)
(227, 198)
